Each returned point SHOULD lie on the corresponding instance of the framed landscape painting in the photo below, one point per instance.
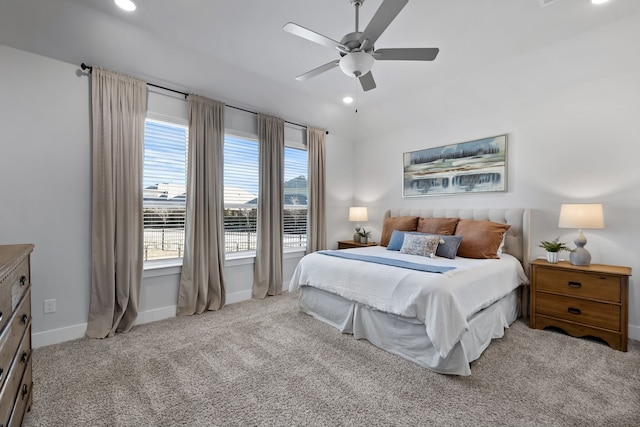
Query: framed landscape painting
(478, 166)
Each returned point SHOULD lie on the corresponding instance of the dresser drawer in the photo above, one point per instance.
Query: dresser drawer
(9, 392)
(23, 400)
(586, 312)
(578, 284)
(5, 305)
(19, 282)
(12, 287)
(12, 335)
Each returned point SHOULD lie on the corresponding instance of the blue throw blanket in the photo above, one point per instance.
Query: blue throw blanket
(388, 261)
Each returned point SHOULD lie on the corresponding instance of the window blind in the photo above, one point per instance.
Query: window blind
(164, 189)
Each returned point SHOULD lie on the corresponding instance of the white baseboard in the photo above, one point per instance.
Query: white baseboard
(69, 333)
(237, 297)
(156, 314)
(634, 332)
(55, 336)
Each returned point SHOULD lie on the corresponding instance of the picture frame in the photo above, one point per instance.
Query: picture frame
(478, 166)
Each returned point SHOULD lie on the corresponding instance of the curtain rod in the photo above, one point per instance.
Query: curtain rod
(90, 68)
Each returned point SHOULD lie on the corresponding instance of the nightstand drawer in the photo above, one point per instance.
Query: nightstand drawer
(586, 312)
(584, 285)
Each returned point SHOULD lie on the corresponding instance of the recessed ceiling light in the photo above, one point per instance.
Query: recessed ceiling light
(127, 5)
(598, 1)
(347, 100)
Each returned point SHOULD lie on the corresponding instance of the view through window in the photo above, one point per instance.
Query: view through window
(164, 189)
(241, 195)
(164, 192)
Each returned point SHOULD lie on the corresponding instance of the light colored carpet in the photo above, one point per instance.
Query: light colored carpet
(264, 363)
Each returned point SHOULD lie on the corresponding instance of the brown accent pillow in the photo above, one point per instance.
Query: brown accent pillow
(480, 239)
(442, 226)
(400, 223)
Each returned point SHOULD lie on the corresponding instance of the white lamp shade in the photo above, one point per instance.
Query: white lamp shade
(581, 216)
(356, 64)
(358, 213)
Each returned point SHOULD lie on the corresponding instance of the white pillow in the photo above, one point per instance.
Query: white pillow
(501, 247)
(416, 244)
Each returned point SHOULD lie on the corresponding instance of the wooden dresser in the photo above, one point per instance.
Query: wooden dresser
(583, 301)
(15, 337)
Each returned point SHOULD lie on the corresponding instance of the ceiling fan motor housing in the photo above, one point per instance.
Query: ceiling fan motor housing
(356, 64)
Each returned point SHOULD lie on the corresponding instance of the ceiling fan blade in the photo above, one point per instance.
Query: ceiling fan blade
(386, 13)
(305, 33)
(321, 69)
(407, 54)
(367, 82)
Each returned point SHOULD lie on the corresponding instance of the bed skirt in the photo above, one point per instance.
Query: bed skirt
(407, 337)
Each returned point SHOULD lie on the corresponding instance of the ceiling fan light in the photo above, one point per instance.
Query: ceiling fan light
(356, 64)
(127, 5)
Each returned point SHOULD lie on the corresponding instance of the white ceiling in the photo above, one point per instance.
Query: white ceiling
(236, 51)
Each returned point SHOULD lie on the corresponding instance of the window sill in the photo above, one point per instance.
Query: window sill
(167, 267)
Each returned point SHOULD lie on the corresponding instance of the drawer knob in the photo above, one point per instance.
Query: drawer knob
(24, 357)
(25, 390)
(575, 284)
(24, 319)
(23, 280)
(573, 310)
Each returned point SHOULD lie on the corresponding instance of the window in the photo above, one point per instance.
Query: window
(164, 189)
(295, 198)
(241, 195)
(164, 192)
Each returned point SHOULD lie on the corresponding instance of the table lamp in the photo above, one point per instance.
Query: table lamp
(581, 216)
(357, 214)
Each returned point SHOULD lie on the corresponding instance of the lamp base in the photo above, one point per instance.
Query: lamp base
(580, 256)
(356, 235)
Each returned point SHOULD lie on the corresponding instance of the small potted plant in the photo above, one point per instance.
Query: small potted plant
(364, 235)
(553, 247)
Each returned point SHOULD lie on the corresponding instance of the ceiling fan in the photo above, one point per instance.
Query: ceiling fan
(357, 48)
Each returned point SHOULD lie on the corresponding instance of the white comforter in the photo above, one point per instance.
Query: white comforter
(443, 302)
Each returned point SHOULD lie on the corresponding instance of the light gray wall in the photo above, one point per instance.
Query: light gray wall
(572, 116)
(45, 171)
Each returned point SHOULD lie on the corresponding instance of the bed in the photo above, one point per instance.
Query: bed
(440, 312)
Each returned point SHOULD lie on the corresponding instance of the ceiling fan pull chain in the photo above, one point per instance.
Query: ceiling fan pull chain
(355, 80)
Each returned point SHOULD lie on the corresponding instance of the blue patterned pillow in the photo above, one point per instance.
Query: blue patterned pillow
(420, 244)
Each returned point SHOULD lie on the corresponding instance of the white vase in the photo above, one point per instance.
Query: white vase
(552, 257)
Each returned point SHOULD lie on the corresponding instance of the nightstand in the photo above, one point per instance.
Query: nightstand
(582, 300)
(348, 244)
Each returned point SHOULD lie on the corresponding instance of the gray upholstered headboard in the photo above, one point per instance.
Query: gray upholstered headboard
(517, 240)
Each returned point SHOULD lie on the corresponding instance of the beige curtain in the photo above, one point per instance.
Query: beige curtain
(202, 279)
(119, 105)
(267, 278)
(316, 222)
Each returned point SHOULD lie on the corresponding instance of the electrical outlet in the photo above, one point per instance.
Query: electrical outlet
(49, 306)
